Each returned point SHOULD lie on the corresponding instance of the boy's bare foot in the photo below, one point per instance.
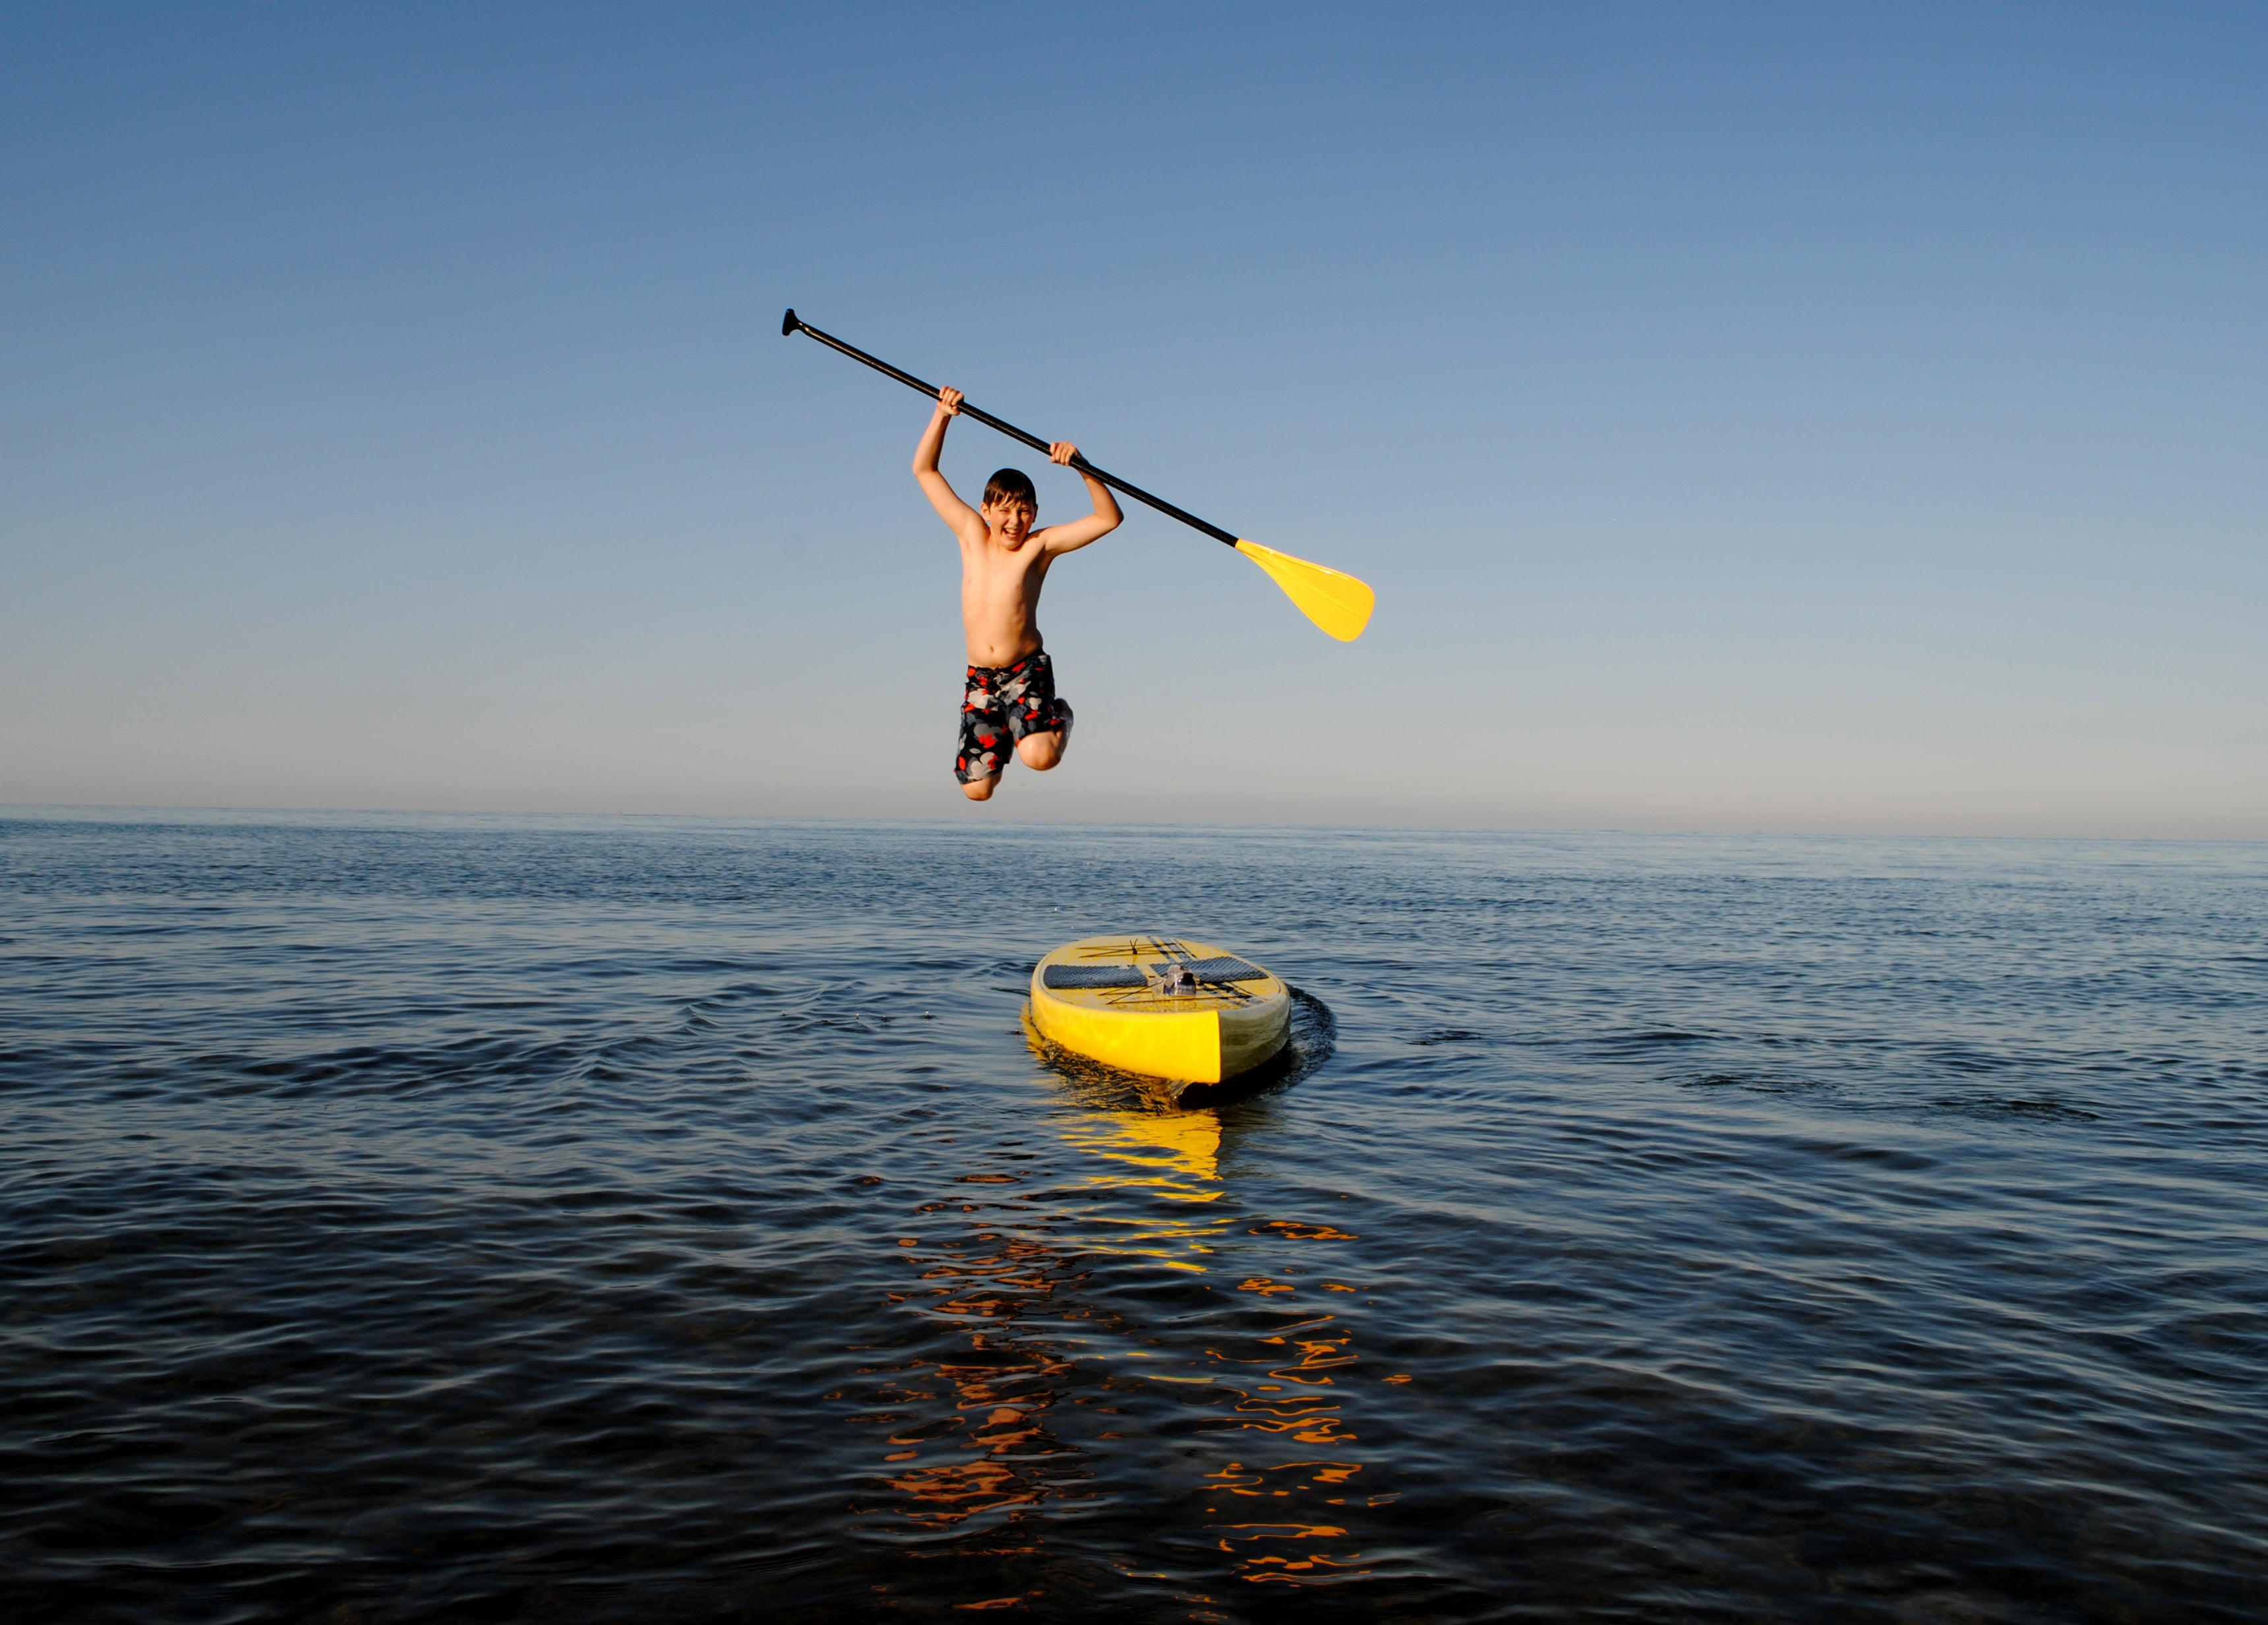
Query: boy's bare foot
(981, 789)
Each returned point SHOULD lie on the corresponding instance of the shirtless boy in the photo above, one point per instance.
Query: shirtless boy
(1004, 561)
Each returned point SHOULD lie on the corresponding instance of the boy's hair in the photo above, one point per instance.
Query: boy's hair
(1011, 485)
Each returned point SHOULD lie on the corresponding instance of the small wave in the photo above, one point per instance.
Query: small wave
(2037, 1111)
(1756, 1082)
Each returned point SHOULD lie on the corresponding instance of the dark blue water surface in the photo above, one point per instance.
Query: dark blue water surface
(431, 1219)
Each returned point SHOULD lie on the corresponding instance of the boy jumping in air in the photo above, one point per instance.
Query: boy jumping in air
(1004, 561)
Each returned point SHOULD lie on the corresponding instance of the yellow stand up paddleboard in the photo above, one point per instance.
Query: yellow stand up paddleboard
(1161, 1005)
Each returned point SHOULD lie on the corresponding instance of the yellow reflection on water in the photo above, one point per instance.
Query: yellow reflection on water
(1175, 1155)
(1169, 1157)
(989, 1441)
(1292, 1383)
(969, 1436)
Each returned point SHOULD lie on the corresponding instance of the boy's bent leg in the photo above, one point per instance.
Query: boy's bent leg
(982, 755)
(1042, 752)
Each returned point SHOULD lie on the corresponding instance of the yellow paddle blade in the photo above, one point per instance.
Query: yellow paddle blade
(1332, 599)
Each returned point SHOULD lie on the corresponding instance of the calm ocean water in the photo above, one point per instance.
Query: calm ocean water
(461, 1219)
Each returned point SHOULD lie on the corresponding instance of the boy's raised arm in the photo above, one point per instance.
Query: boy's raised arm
(1095, 526)
(967, 523)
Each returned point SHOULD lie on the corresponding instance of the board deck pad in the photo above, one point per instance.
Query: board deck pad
(1102, 998)
(1221, 968)
(1094, 976)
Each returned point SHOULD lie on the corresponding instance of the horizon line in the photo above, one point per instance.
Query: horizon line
(19, 810)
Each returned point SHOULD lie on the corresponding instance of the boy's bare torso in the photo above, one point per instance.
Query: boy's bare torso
(1000, 596)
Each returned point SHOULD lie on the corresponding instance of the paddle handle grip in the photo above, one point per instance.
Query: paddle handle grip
(791, 324)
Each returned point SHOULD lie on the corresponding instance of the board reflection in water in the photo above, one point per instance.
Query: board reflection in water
(1038, 1295)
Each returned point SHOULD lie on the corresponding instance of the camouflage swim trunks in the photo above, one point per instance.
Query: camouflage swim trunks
(1002, 704)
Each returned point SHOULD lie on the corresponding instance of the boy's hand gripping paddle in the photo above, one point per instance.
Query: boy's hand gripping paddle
(1331, 599)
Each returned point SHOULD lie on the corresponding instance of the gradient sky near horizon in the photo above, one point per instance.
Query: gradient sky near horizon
(1751, 417)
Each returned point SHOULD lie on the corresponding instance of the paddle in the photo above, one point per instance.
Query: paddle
(1332, 600)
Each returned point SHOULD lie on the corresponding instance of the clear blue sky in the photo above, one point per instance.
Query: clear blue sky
(1779, 418)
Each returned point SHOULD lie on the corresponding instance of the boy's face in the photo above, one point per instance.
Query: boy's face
(1011, 520)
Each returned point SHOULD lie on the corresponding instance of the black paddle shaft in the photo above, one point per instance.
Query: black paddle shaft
(790, 324)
